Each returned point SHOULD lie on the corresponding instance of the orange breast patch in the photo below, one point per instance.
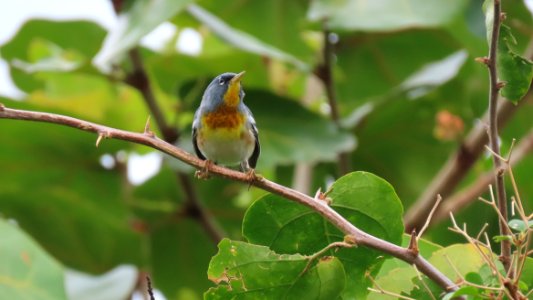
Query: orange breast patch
(224, 117)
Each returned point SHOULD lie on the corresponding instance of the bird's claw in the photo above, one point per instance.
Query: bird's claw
(251, 176)
(204, 172)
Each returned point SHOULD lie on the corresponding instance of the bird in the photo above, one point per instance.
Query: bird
(224, 130)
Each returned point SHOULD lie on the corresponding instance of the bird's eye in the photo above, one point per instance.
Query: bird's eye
(221, 81)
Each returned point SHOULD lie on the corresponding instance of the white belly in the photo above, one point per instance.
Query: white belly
(225, 148)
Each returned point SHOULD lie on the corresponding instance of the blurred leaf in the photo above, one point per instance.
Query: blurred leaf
(241, 39)
(115, 284)
(465, 290)
(500, 238)
(180, 251)
(527, 272)
(519, 225)
(474, 277)
(464, 258)
(64, 34)
(47, 56)
(55, 188)
(246, 271)
(26, 270)
(290, 133)
(433, 75)
(513, 69)
(142, 17)
(384, 15)
(371, 67)
(364, 199)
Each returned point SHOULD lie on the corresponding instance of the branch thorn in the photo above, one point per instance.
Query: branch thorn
(350, 239)
(101, 136)
(413, 243)
(500, 85)
(147, 130)
(484, 60)
(320, 196)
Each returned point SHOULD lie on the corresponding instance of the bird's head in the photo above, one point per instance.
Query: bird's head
(225, 89)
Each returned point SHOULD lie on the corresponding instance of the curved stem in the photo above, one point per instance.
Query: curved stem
(361, 238)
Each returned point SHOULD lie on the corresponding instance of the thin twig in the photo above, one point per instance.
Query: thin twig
(439, 199)
(362, 238)
(325, 73)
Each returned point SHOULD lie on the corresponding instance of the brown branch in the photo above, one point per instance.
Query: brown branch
(325, 73)
(463, 198)
(321, 207)
(495, 86)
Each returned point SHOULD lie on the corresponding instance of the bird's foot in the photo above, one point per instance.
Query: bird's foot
(251, 176)
(204, 172)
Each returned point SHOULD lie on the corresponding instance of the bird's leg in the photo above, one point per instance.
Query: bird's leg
(204, 172)
(251, 176)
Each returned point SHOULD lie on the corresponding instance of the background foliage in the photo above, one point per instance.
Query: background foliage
(396, 69)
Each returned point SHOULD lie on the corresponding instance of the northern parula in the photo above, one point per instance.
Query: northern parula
(224, 130)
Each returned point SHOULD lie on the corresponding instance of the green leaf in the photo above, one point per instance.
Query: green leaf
(364, 199)
(465, 290)
(527, 273)
(141, 18)
(283, 23)
(58, 192)
(241, 39)
(26, 270)
(47, 56)
(500, 238)
(290, 133)
(519, 225)
(514, 70)
(384, 15)
(34, 35)
(246, 271)
(184, 244)
(464, 257)
(433, 75)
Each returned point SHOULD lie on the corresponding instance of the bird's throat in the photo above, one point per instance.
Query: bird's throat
(232, 95)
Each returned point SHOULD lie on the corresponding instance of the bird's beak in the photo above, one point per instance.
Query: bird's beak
(237, 78)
